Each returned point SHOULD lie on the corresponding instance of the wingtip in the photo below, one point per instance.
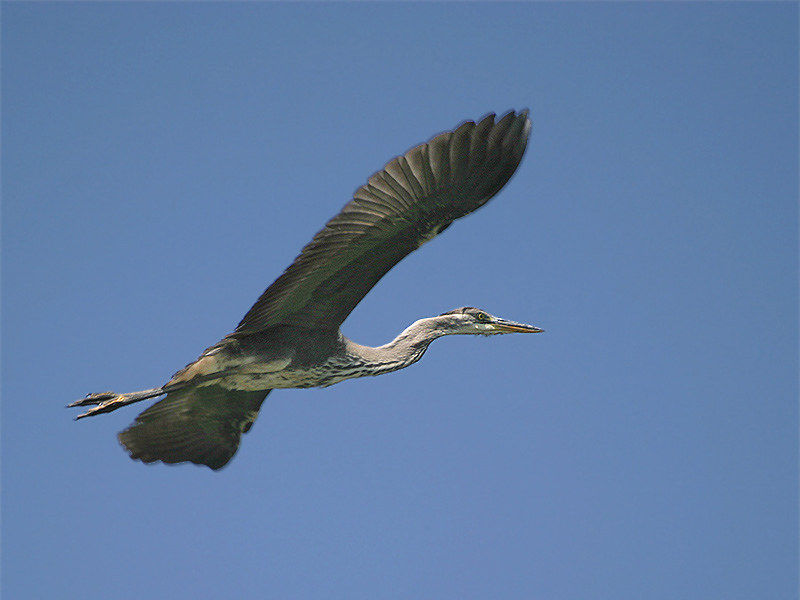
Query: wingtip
(519, 115)
(517, 122)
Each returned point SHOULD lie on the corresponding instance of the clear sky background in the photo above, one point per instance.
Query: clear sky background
(163, 163)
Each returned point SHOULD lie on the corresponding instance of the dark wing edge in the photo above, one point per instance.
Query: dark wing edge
(413, 199)
(203, 425)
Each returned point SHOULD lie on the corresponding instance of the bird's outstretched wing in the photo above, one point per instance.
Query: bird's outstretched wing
(199, 424)
(413, 199)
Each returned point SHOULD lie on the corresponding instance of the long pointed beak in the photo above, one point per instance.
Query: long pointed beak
(505, 326)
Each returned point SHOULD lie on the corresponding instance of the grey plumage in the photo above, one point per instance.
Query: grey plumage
(290, 337)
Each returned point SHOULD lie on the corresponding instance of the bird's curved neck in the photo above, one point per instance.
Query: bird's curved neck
(404, 350)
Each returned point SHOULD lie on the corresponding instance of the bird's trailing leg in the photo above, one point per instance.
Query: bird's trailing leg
(107, 401)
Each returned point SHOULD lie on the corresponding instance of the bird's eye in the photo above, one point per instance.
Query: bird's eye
(482, 316)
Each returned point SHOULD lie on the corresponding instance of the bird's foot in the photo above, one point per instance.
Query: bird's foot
(108, 401)
(101, 403)
(93, 399)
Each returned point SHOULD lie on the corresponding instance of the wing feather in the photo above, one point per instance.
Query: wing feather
(201, 424)
(413, 199)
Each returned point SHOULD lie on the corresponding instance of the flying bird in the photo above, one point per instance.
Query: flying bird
(290, 338)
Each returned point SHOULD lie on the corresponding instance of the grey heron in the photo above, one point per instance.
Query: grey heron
(290, 338)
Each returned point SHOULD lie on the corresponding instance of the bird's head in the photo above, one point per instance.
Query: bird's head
(474, 321)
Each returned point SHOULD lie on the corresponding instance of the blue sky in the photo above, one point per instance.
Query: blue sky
(163, 163)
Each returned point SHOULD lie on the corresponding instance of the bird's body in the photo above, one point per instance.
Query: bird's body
(291, 338)
(270, 361)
